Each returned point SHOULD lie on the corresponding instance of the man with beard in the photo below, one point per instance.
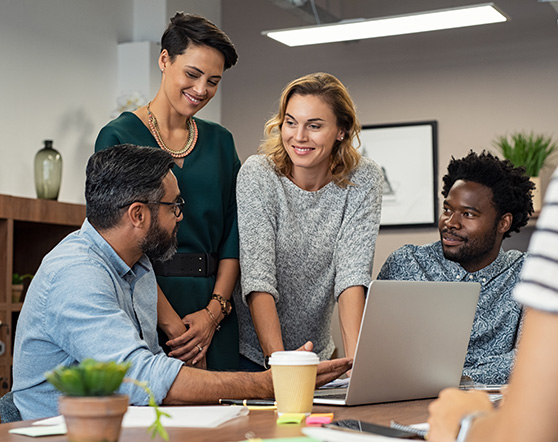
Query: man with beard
(95, 294)
(485, 200)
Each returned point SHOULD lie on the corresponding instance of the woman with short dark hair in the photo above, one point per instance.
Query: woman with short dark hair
(198, 281)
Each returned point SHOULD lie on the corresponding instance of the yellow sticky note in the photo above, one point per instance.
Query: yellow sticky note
(291, 418)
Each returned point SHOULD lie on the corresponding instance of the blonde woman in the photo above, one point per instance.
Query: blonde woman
(309, 212)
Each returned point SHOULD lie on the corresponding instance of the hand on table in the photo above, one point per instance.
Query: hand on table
(328, 370)
(191, 347)
(446, 412)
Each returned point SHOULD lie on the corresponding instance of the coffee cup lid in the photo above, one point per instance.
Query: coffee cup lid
(294, 358)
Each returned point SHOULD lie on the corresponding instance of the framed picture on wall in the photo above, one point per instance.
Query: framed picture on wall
(407, 155)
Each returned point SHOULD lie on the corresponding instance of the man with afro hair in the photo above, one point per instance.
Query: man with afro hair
(485, 200)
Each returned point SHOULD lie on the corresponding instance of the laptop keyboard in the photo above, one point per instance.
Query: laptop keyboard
(331, 393)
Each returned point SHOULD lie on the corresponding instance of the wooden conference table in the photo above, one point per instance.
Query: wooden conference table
(258, 424)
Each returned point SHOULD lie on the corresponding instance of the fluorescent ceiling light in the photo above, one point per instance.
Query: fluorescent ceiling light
(395, 25)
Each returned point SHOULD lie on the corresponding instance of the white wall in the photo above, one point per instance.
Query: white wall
(59, 78)
(476, 82)
(58, 82)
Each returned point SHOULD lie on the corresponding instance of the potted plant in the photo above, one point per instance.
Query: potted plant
(91, 408)
(530, 151)
(17, 285)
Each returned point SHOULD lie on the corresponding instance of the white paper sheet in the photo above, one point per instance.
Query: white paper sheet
(194, 417)
(40, 430)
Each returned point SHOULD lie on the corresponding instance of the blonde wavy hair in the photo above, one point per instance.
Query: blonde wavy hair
(344, 156)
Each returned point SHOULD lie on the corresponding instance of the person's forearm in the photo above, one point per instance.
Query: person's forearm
(527, 412)
(266, 321)
(351, 308)
(529, 408)
(227, 274)
(193, 386)
(167, 318)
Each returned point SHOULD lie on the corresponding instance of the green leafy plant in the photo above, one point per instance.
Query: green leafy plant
(528, 150)
(94, 378)
(18, 279)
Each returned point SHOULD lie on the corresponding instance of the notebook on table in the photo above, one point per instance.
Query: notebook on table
(412, 342)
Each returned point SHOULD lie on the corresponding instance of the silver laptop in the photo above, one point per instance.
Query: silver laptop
(412, 342)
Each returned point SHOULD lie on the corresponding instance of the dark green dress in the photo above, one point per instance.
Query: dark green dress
(207, 183)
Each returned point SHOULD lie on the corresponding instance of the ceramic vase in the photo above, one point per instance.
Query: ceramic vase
(48, 172)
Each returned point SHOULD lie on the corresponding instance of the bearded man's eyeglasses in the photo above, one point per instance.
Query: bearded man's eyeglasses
(177, 206)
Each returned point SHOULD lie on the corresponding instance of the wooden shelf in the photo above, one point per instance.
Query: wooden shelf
(29, 229)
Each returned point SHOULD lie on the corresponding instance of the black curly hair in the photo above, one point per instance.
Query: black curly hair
(511, 188)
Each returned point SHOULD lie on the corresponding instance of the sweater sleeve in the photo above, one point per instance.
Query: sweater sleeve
(256, 227)
(356, 241)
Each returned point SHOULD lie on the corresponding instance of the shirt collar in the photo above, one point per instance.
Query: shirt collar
(482, 275)
(142, 266)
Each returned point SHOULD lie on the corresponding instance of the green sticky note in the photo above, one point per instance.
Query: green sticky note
(291, 418)
(286, 439)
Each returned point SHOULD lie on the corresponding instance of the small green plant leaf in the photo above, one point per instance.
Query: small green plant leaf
(156, 428)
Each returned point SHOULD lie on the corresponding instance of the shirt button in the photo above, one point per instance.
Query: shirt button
(457, 277)
(470, 276)
(483, 279)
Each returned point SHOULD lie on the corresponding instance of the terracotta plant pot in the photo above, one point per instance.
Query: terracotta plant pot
(93, 419)
(537, 194)
(17, 290)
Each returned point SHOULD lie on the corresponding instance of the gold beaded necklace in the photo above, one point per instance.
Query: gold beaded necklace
(190, 142)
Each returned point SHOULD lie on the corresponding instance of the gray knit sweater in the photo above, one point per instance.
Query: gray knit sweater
(304, 248)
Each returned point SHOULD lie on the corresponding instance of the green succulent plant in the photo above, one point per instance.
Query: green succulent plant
(18, 279)
(528, 150)
(90, 378)
(95, 378)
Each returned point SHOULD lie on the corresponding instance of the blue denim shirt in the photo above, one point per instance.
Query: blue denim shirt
(86, 302)
(491, 351)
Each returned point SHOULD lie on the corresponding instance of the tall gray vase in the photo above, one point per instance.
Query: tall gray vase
(48, 172)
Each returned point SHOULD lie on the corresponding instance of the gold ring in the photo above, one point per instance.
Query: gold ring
(199, 348)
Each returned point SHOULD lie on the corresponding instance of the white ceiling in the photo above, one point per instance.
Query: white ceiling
(525, 15)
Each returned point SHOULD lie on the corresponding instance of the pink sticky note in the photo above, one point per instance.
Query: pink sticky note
(319, 418)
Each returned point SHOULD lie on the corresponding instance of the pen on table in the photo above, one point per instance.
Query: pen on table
(248, 402)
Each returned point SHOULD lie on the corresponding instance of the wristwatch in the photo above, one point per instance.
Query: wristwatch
(266, 362)
(466, 424)
(226, 306)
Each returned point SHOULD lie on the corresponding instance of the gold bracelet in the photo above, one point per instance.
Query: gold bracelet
(225, 304)
(213, 318)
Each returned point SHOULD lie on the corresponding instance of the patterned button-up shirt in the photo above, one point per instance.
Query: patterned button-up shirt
(496, 326)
